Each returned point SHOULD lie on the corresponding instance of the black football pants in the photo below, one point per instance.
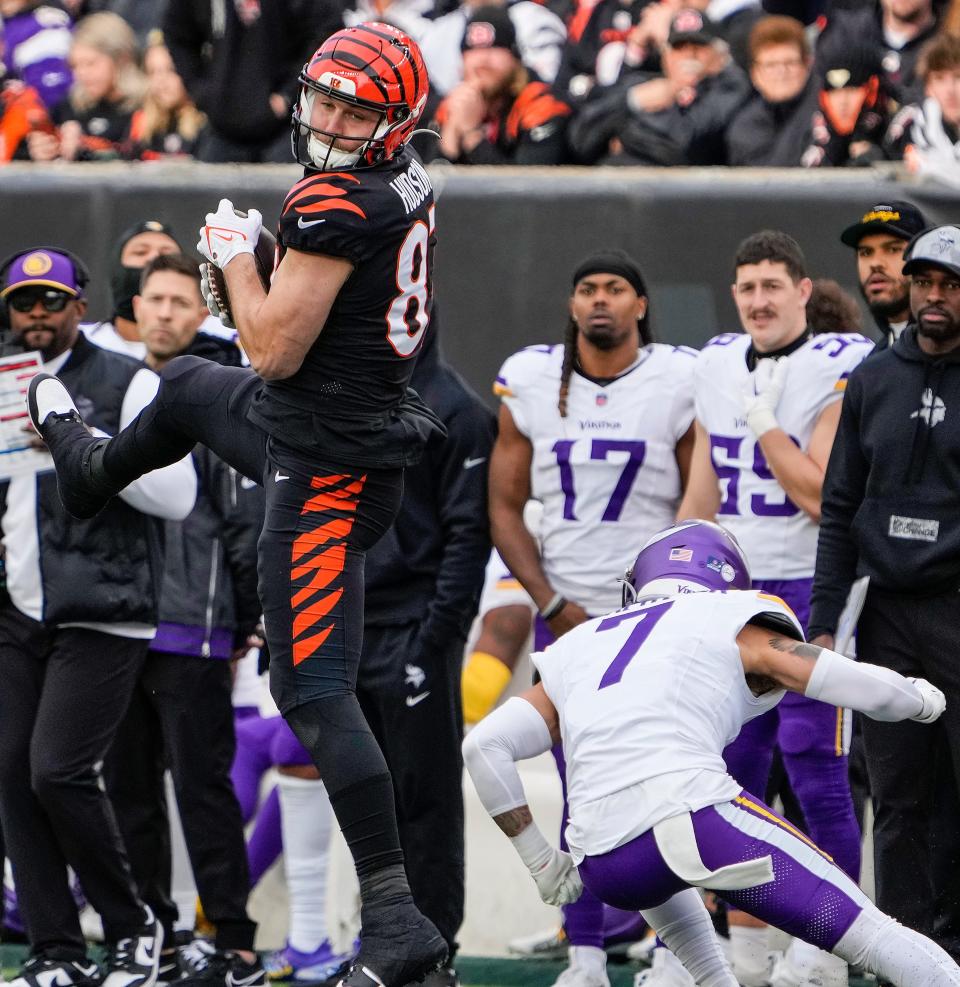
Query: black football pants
(63, 693)
(914, 768)
(321, 517)
(181, 717)
(411, 699)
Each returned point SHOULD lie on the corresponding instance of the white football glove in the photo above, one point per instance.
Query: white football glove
(934, 701)
(208, 296)
(225, 234)
(552, 870)
(762, 393)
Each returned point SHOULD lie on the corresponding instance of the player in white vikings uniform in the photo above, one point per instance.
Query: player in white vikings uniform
(645, 699)
(767, 403)
(599, 431)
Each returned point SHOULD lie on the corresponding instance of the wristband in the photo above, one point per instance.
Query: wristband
(532, 846)
(556, 604)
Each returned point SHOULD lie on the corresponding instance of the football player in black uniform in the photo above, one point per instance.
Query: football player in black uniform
(324, 420)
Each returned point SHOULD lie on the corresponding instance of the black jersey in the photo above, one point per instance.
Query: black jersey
(349, 400)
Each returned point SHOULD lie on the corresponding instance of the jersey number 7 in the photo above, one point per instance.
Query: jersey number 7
(647, 621)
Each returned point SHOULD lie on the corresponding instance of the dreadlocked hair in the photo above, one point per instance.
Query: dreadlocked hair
(569, 359)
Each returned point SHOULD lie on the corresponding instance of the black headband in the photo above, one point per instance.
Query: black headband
(611, 262)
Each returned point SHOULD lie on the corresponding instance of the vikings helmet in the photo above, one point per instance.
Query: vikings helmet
(693, 551)
(373, 66)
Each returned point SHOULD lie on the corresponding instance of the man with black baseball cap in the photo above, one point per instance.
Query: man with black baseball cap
(891, 511)
(880, 238)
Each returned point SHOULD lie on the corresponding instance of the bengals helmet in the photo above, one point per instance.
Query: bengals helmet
(373, 66)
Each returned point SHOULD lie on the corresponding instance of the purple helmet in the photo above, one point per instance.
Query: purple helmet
(696, 551)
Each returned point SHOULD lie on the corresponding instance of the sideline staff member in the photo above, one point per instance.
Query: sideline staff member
(891, 510)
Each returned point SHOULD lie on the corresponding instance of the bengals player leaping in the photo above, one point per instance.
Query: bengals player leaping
(324, 420)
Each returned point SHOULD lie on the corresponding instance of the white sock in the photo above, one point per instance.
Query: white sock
(905, 958)
(807, 959)
(751, 957)
(590, 958)
(306, 821)
(684, 925)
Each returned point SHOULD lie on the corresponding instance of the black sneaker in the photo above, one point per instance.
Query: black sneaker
(194, 954)
(134, 962)
(224, 968)
(168, 970)
(398, 946)
(56, 419)
(39, 971)
(446, 976)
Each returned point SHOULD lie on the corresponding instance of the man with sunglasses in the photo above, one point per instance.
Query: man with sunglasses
(75, 625)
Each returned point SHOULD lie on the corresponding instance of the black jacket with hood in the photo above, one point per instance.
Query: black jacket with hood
(429, 566)
(891, 496)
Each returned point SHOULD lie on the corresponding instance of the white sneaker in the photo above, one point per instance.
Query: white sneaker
(91, 925)
(665, 971)
(134, 962)
(549, 944)
(751, 958)
(588, 968)
(643, 951)
(804, 965)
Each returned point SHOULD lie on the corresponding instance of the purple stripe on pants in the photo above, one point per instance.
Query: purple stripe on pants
(807, 733)
(804, 898)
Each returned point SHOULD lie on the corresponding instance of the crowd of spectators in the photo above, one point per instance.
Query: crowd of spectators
(785, 83)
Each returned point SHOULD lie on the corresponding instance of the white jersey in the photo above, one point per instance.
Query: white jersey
(501, 588)
(648, 698)
(779, 539)
(606, 474)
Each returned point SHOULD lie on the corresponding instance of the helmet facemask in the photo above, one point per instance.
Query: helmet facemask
(316, 148)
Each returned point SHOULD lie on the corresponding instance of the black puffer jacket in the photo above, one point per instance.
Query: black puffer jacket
(208, 599)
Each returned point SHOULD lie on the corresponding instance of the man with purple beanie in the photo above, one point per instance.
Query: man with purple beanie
(644, 701)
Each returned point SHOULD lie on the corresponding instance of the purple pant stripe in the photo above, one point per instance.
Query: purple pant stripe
(808, 898)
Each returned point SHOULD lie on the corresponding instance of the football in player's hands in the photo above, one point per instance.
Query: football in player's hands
(934, 701)
(214, 285)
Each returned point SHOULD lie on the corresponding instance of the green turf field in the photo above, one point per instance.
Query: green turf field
(475, 971)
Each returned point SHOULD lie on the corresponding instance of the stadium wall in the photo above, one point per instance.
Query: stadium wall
(509, 237)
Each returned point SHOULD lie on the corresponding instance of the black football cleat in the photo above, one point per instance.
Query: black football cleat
(84, 489)
(398, 946)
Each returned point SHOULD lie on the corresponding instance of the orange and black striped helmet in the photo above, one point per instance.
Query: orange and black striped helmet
(373, 66)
